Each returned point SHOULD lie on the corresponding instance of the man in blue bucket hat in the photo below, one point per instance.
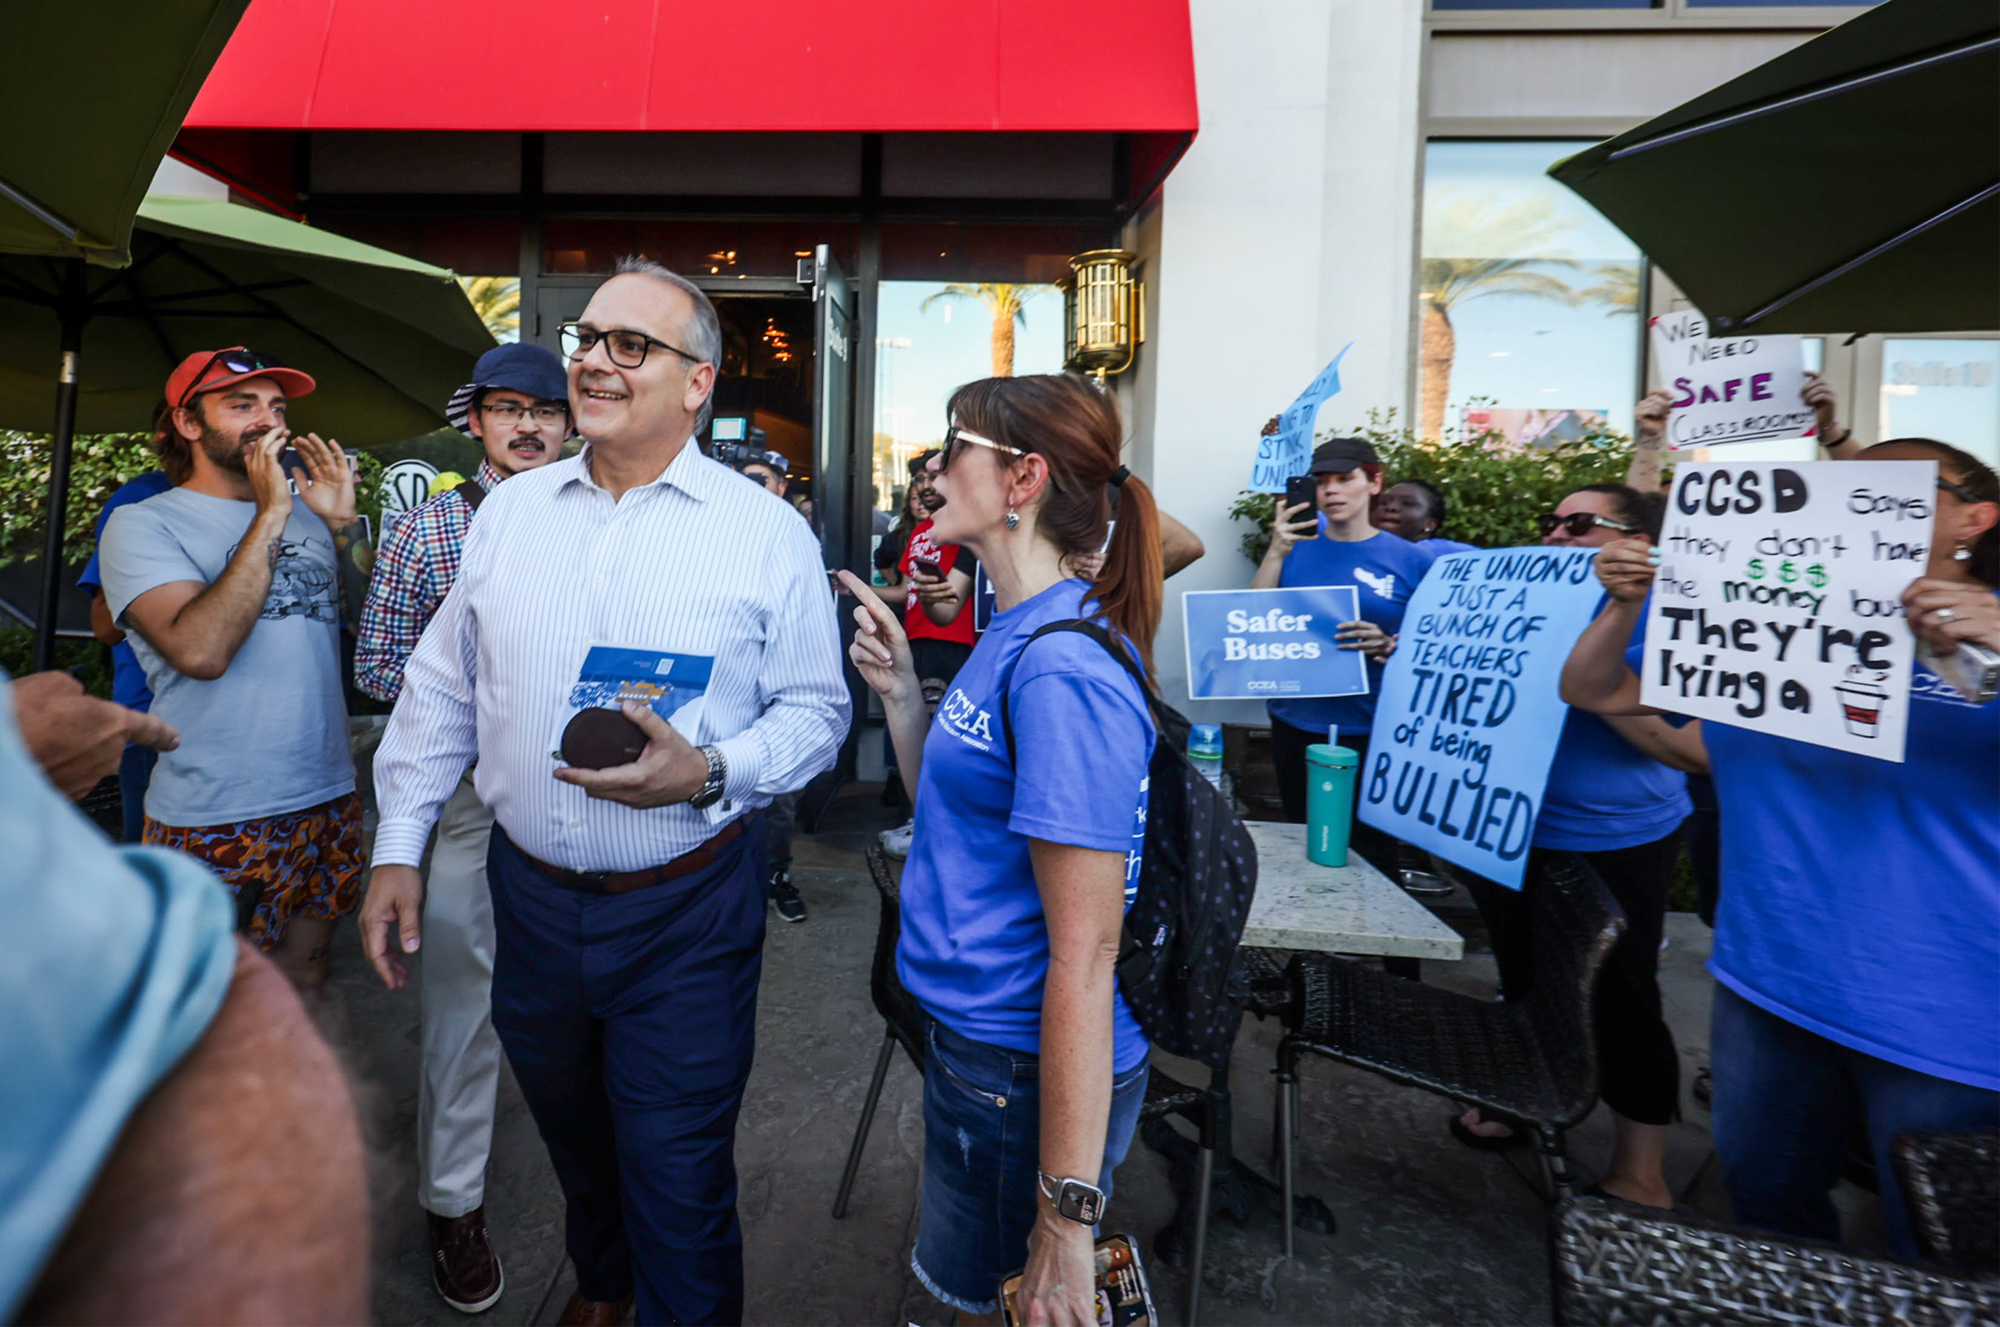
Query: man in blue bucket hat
(517, 407)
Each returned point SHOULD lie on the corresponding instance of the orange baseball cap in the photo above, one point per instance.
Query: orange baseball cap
(206, 370)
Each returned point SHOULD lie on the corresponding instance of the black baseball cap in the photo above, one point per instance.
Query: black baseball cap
(1339, 455)
(921, 462)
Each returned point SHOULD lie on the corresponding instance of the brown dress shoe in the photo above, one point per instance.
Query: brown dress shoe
(464, 1267)
(581, 1312)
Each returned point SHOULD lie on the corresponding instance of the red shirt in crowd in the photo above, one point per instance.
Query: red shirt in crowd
(916, 624)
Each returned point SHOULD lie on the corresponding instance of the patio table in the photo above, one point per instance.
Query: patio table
(1299, 904)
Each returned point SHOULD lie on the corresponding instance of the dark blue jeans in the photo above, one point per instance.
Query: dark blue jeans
(1787, 1101)
(630, 1022)
(135, 771)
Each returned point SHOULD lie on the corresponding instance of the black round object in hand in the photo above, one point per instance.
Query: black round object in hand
(600, 738)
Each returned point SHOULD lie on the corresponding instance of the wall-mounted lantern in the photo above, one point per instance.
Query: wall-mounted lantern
(1104, 313)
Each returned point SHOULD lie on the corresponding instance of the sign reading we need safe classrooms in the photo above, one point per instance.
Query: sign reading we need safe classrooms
(1778, 602)
(1469, 713)
(1271, 644)
(1729, 389)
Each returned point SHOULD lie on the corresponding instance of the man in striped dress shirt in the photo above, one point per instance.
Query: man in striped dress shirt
(628, 911)
(517, 408)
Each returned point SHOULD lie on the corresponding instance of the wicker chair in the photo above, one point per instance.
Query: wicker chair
(1951, 1182)
(1532, 1060)
(1616, 1263)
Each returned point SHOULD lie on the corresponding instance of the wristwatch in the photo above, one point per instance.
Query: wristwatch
(718, 770)
(1079, 1202)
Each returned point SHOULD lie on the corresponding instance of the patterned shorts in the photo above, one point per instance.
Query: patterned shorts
(306, 863)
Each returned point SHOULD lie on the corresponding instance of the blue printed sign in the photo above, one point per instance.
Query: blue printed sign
(1469, 714)
(1288, 451)
(983, 600)
(1271, 644)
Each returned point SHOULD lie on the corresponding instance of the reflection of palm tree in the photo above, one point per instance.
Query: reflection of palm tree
(1526, 230)
(1617, 286)
(1004, 302)
(497, 301)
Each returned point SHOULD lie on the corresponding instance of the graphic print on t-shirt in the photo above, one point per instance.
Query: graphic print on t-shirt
(1384, 585)
(302, 580)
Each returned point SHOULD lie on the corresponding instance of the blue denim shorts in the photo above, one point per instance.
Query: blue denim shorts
(982, 1147)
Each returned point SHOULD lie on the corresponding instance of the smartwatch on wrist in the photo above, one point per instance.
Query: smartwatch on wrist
(1073, 1199)
(710, 791)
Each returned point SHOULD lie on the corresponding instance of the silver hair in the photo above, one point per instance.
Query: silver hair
(703, 333)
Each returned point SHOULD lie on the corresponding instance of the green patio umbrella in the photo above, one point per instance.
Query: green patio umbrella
(1851, 184)
(387, 337)
(91, 100)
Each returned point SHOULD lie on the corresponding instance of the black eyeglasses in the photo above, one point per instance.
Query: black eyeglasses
(1960, 491)
(1579, 523)
(956, 439)
(510, 412)
(626, 347)
(235, 360)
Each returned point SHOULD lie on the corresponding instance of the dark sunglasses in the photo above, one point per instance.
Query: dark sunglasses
(957, 440)
(1580, 523)
(235, 361)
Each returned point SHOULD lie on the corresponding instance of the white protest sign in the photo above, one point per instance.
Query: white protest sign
(1469, 714)
(1778, 600)
(1729, 388)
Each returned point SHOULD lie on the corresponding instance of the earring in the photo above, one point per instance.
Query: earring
(1963, 552)
(1013, 522)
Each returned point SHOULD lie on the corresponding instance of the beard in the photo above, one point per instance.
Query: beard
(226, 450)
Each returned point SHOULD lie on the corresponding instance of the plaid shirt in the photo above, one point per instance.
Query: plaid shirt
(414, 570)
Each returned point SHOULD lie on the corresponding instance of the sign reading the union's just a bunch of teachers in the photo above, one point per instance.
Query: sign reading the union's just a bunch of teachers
(1778, 603)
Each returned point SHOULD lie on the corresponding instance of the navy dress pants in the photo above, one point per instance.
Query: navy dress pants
(630, 1023)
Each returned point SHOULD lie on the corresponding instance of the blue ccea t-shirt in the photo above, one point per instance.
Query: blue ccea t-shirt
(1383, 569)
(975, 944)
(1861, 898)
(1603, 793)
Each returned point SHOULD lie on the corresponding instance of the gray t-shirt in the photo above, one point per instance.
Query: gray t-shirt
(269, 735)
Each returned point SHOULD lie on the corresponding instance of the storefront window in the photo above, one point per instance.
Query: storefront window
(1528, 302)
(702, 248)
(934, 336)
(1943, 389)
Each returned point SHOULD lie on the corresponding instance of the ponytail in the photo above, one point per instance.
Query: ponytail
(1074, 426)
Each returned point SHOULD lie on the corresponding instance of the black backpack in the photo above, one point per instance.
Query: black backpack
(1177, 962)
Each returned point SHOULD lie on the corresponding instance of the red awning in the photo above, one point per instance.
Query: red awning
(1122, 66)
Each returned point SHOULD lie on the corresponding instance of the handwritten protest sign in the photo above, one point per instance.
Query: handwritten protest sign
(1778, 600)
(1469, 715)
(1270, 644)
(1288, 451)
(1729, 388)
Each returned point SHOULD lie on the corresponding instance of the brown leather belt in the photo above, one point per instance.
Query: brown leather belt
(624, 882)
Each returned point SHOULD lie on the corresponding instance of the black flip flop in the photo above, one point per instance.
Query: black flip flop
(1480, 1142)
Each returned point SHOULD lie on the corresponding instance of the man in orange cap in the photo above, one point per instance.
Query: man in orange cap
(228, 586)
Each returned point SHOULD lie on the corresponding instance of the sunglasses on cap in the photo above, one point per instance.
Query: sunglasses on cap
(1579, 523)
(955, 436)
(233, 361)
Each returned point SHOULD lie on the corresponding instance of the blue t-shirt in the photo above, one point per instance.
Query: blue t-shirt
(1603, 793)
(1437, 548)
(1861, 898)
(128, 679)
(975, 945)
(1383, 569)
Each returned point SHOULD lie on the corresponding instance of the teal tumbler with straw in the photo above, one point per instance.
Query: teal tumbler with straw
(1330, 775)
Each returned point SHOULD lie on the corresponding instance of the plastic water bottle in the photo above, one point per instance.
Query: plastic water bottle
(1204, 748)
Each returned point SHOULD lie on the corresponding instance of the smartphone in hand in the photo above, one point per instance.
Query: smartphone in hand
(930, 567)
(1304, 489)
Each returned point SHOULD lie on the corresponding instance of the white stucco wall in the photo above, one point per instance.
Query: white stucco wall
(1285, 232)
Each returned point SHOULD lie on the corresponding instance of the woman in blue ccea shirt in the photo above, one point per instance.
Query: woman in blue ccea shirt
(1338, 546)
(1021, 862)
(1621, 810)
(1857, 940)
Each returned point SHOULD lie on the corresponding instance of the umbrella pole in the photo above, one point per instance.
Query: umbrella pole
(73, 313)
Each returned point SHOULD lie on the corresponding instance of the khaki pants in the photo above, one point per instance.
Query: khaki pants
(461, 1055)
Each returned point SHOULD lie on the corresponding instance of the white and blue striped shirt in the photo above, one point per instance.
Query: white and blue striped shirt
(699, 562)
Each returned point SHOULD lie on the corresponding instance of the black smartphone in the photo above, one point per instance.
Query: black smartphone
(1304, 488)
(929, 567)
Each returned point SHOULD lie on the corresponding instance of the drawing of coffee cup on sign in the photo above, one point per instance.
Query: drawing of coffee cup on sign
(1861, 698)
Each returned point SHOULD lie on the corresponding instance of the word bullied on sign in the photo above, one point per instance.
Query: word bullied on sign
(1778, 604)
(1469, 715)
(1271, 644)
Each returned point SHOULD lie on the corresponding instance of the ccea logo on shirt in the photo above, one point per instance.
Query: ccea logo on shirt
(1384, 585)
(966, 721)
